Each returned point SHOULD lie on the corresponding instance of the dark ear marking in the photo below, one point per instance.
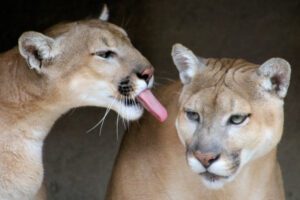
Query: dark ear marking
(37, 56)
(276, 73)
(37, 49)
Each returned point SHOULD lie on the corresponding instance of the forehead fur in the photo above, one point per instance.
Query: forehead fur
(87, 25)
(232, 76)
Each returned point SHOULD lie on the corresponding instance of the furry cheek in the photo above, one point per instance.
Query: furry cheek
(195, 165)
(221, 168)
(185, 129)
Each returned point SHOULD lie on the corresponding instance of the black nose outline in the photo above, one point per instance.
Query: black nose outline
(144, 77)
(146, 74)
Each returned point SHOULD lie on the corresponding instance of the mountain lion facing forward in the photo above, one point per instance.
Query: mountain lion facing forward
(229, 119)
(83, 63)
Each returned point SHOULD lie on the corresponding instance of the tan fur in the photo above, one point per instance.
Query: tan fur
(65, 73)
(152, 163)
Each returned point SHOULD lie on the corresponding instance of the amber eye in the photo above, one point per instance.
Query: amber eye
(237, 119)
(105, 54)
(193, 116)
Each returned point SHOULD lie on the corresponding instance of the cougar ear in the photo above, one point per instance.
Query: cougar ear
(36, 48)
(104, 13)
(187, 63)
(277, 73)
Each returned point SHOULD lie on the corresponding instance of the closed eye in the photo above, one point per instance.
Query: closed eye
(105, 54)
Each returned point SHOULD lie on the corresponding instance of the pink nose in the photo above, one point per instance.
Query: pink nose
(206, 159)
(146, 74)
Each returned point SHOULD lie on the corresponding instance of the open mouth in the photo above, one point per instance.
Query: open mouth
(212, 177)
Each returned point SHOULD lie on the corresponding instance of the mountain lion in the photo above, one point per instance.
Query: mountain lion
(83, 63)
(229, 119)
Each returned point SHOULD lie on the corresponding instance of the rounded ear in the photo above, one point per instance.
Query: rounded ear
(36, 48)
(277, 73)
(186, 62)
(104, 15)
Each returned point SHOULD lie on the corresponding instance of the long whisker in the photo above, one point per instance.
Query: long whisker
(136, 106)
(72, 111)
(98, 123)
(126, 119)
(100, 130)
(122, 97)
(117, 126)
(101, 126)
(165, 78)
(103, 118)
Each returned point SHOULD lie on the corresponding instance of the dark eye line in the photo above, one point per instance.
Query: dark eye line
(244, 117)
(192, 115)
(242, 114)
(104, 54)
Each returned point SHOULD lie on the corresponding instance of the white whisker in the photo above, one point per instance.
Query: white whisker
(117, 126)
(165, 78)
(123, 112)
(103, 118)
(127, 114)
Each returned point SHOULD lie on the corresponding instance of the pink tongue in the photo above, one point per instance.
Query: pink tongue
(148, 100)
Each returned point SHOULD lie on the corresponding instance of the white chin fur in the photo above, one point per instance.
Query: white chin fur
(219, 169)
(213, 184)
(128, 112)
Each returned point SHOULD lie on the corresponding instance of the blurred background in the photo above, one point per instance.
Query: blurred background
(78, 164)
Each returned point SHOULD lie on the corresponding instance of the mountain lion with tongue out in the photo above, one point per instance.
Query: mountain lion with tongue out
(229, 119)
(84, 63)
